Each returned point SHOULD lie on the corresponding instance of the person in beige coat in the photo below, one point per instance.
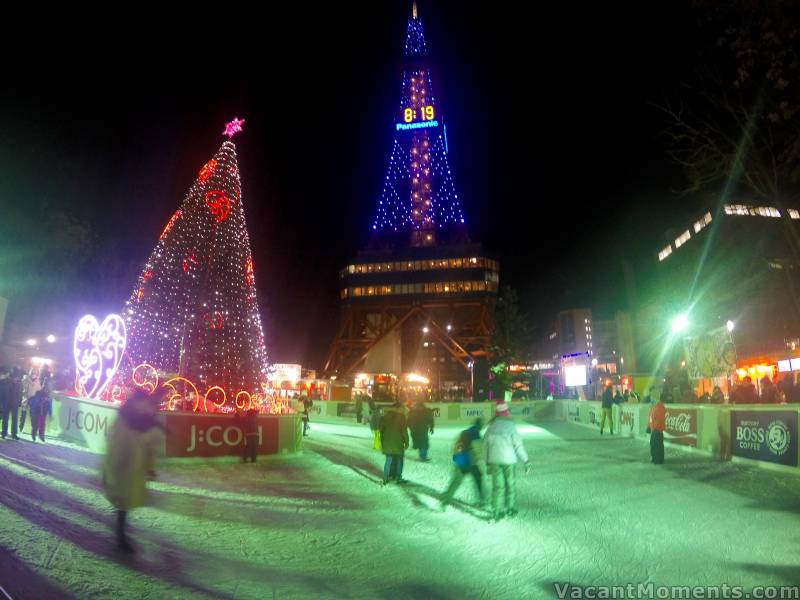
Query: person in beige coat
(130, 458)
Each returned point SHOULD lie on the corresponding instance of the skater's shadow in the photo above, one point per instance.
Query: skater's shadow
(360, 466)
(37, 507)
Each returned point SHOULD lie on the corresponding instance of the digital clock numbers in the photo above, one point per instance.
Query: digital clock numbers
(425, 113)
(418, 118)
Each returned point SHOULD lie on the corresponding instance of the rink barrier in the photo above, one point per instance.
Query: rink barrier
(457, 413)
(764, 435)
(87, 423)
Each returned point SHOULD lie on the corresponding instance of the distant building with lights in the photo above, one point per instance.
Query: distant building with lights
(733, 264)
(418, 302)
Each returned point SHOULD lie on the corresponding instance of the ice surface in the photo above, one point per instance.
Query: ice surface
(594, 511)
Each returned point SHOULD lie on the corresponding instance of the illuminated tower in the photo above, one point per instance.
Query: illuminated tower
(419, 299)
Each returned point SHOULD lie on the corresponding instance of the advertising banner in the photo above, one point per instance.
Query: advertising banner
(346, 409)
(80, 421)
(470, 412)
(520, 410)
(628, 419)
(765, 435)
(681, 426)
(591, 413)
(710, 355)
(200, 435)
(573, 412)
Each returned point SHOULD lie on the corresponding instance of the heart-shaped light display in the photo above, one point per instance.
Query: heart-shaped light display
(97, 348)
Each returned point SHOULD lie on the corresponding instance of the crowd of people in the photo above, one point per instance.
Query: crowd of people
(24, 396)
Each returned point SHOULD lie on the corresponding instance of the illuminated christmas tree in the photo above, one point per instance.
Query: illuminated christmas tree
(418, 194)
(193, 311)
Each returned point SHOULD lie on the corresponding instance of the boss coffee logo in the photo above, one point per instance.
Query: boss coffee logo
(770, 436)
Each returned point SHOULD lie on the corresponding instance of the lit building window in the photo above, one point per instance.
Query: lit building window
(682, 239)
(702, 222)
(794, 213)
(664, 253)
(752, 211)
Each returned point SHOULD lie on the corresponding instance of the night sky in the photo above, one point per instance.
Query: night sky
(554, 144)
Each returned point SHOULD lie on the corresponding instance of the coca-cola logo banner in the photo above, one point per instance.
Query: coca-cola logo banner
(681, 426)
(765, 435)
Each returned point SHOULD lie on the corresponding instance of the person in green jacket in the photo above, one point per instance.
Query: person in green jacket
(394, 441)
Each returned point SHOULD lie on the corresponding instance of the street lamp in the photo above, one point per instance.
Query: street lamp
(680, 323)
(594, 362)
(30, 342)
(730, 325)
(425, 329)
(51, 338)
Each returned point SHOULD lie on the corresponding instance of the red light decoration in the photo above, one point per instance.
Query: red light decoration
(219, 204)
(249, 277)
(147, 274)
(214, 320)
(189, 262)
(145, 376)
(117, 394)
(170, 223)
(207, 170)
(139, 294)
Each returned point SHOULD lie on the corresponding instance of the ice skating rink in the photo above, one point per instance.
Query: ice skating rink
(594, 511)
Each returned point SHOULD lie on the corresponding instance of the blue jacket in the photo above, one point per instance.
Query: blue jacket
(462, 455)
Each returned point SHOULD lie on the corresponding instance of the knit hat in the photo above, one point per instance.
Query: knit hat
(501, 410)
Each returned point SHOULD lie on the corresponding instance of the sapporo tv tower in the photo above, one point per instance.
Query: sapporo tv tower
(417, 303)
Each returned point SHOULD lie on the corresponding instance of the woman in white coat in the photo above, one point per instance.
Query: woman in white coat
(130, 458)
(503, 450)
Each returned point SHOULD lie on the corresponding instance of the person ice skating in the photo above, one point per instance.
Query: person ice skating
(503, 450)
(466, 460)
(375, 424)
(130, 458)
(394, 442)
(607, 401)
(420, 422)
(307, 404)
(250, 426)
(655, 427)
(40, 407)
(359, 408)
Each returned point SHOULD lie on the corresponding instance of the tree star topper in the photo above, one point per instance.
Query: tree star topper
(233, 127)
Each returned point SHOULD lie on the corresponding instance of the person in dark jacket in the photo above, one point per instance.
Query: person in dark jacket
(40, 407)
(420, 422)
(250, 427)
(307, 404)
(359, 408)
(5, 384)
(607, 402)
(746, 392)
(12, 402)
(466, 458)
(394, 442)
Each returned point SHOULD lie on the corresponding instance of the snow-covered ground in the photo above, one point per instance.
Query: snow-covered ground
(594, 511)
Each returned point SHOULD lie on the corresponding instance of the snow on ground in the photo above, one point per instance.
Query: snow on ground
(594, 511)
